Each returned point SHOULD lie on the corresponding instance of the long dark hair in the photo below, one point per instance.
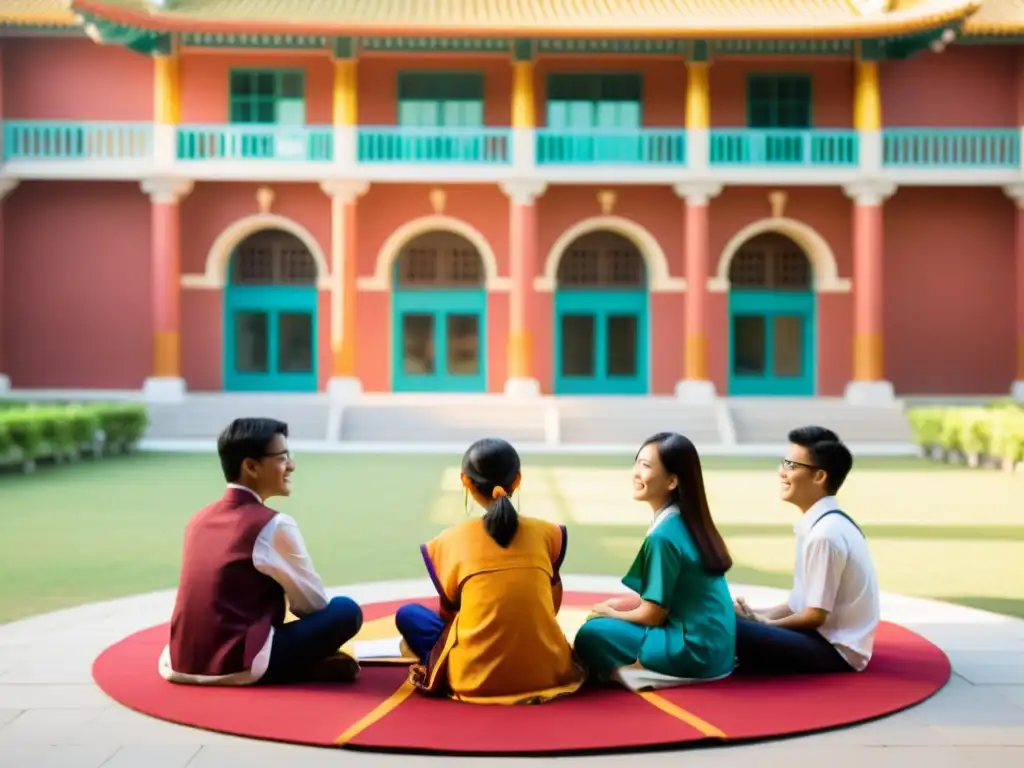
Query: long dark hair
(679, 457)
(492, 466)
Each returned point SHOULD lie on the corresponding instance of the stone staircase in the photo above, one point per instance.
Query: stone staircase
(203, 416)
(768, 420)
(628, 421)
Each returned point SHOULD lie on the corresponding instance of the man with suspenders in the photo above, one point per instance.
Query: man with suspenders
(828, 623)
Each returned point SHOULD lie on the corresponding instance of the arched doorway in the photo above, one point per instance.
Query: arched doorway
(439, 316)
(601, 312)
(771, 318)
(270, 315)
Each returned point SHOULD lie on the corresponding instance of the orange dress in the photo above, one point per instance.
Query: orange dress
(503, 644)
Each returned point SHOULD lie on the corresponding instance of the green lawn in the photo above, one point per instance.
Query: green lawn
(101, 530)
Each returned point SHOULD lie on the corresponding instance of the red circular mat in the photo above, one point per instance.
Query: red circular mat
(378, 712)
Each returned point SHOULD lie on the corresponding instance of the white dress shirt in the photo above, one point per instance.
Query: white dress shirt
(280, 553)
(834, 572)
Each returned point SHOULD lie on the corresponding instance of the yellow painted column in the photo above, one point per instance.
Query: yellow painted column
(698, 96)
(346, 94)
(523, 105)
(867, 101)
(166, 90)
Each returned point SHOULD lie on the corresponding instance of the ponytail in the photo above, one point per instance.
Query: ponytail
(501, 521)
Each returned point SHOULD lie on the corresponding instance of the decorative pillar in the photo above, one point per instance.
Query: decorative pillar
(524, 117)
(6, 187)
(166, 109)
(524, 267)
(869, 384)
(344, 384)
(698, 111)
(696, 386)
(345, 105)
(1016, 193)
(166, 383)
(867, 115)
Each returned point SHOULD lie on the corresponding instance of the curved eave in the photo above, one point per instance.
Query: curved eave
(862, 28)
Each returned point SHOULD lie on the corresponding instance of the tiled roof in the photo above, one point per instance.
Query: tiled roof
(997, 17)
(43, 13)
(707, 18)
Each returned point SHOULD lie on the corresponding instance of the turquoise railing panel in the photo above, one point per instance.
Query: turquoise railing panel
(414, 144)
(951, 147)
(76, 140)
(290, 143)
(636, 146)
(779, 146)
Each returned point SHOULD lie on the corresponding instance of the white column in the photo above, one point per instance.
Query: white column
(6, 187)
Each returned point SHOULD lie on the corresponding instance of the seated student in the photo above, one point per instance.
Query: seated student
(679, 624)
(829, 622)
(497, 639)
(240, 561)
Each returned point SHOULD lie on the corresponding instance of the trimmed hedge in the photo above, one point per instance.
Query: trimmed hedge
(979, 436)
(65, 432)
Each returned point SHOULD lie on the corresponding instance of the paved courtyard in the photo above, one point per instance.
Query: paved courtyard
(51, 713)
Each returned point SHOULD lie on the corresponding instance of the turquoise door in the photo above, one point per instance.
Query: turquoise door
(440, 340)
(771, 342)
(601, 342)
(270, 338)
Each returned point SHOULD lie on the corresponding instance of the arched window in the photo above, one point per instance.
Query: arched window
(771, 262)
(273, 257)
(440, 260)
(601, 260)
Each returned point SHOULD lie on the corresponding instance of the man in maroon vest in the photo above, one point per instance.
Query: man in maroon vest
(240, 561)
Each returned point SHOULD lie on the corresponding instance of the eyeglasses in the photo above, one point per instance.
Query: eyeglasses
(286, 455)
(789, 464)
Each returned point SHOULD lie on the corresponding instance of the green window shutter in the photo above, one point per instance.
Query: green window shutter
(779, 101)
(441, 99)
(267, 96)
(585, 101)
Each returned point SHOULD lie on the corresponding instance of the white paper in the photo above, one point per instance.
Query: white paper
(388, 648)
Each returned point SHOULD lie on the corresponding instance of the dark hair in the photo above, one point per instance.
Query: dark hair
(490, 464)
(679, 457)
(827, 453)
(246, 439)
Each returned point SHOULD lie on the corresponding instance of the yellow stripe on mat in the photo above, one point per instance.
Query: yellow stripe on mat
(679, 713)
(377, 713)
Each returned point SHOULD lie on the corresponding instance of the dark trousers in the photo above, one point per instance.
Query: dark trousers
(420, 627)
(765, 650)
(299, 646)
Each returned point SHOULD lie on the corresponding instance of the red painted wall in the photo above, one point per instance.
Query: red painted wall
(205, 214)
(76, 290)
(70, 79)
(949, 291)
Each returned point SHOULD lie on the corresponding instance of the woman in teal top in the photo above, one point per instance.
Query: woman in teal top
(680, 621)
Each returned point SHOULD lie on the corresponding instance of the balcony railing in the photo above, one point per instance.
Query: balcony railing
(256, 142)
(76, 140)
(921, 148)
(761, 147)
(640, 146)
(405, 144)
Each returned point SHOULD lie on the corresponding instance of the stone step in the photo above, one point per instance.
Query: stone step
(765, 421)
(440, 422)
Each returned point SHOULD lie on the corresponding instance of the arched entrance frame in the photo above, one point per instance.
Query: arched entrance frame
(659, 279)
(381, 280)
(218, 258)
(824, 268)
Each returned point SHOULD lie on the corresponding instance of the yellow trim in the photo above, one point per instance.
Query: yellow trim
(346, 95)
(679, 713)
(378, 713)
(519, 347)
(39, 19)
(522, 95)
(698, 96)
(166, 354)
(166, 90)
(696, 362)
(868, 357)
(867, 101)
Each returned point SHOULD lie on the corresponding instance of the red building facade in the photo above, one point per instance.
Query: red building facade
(620, 205)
